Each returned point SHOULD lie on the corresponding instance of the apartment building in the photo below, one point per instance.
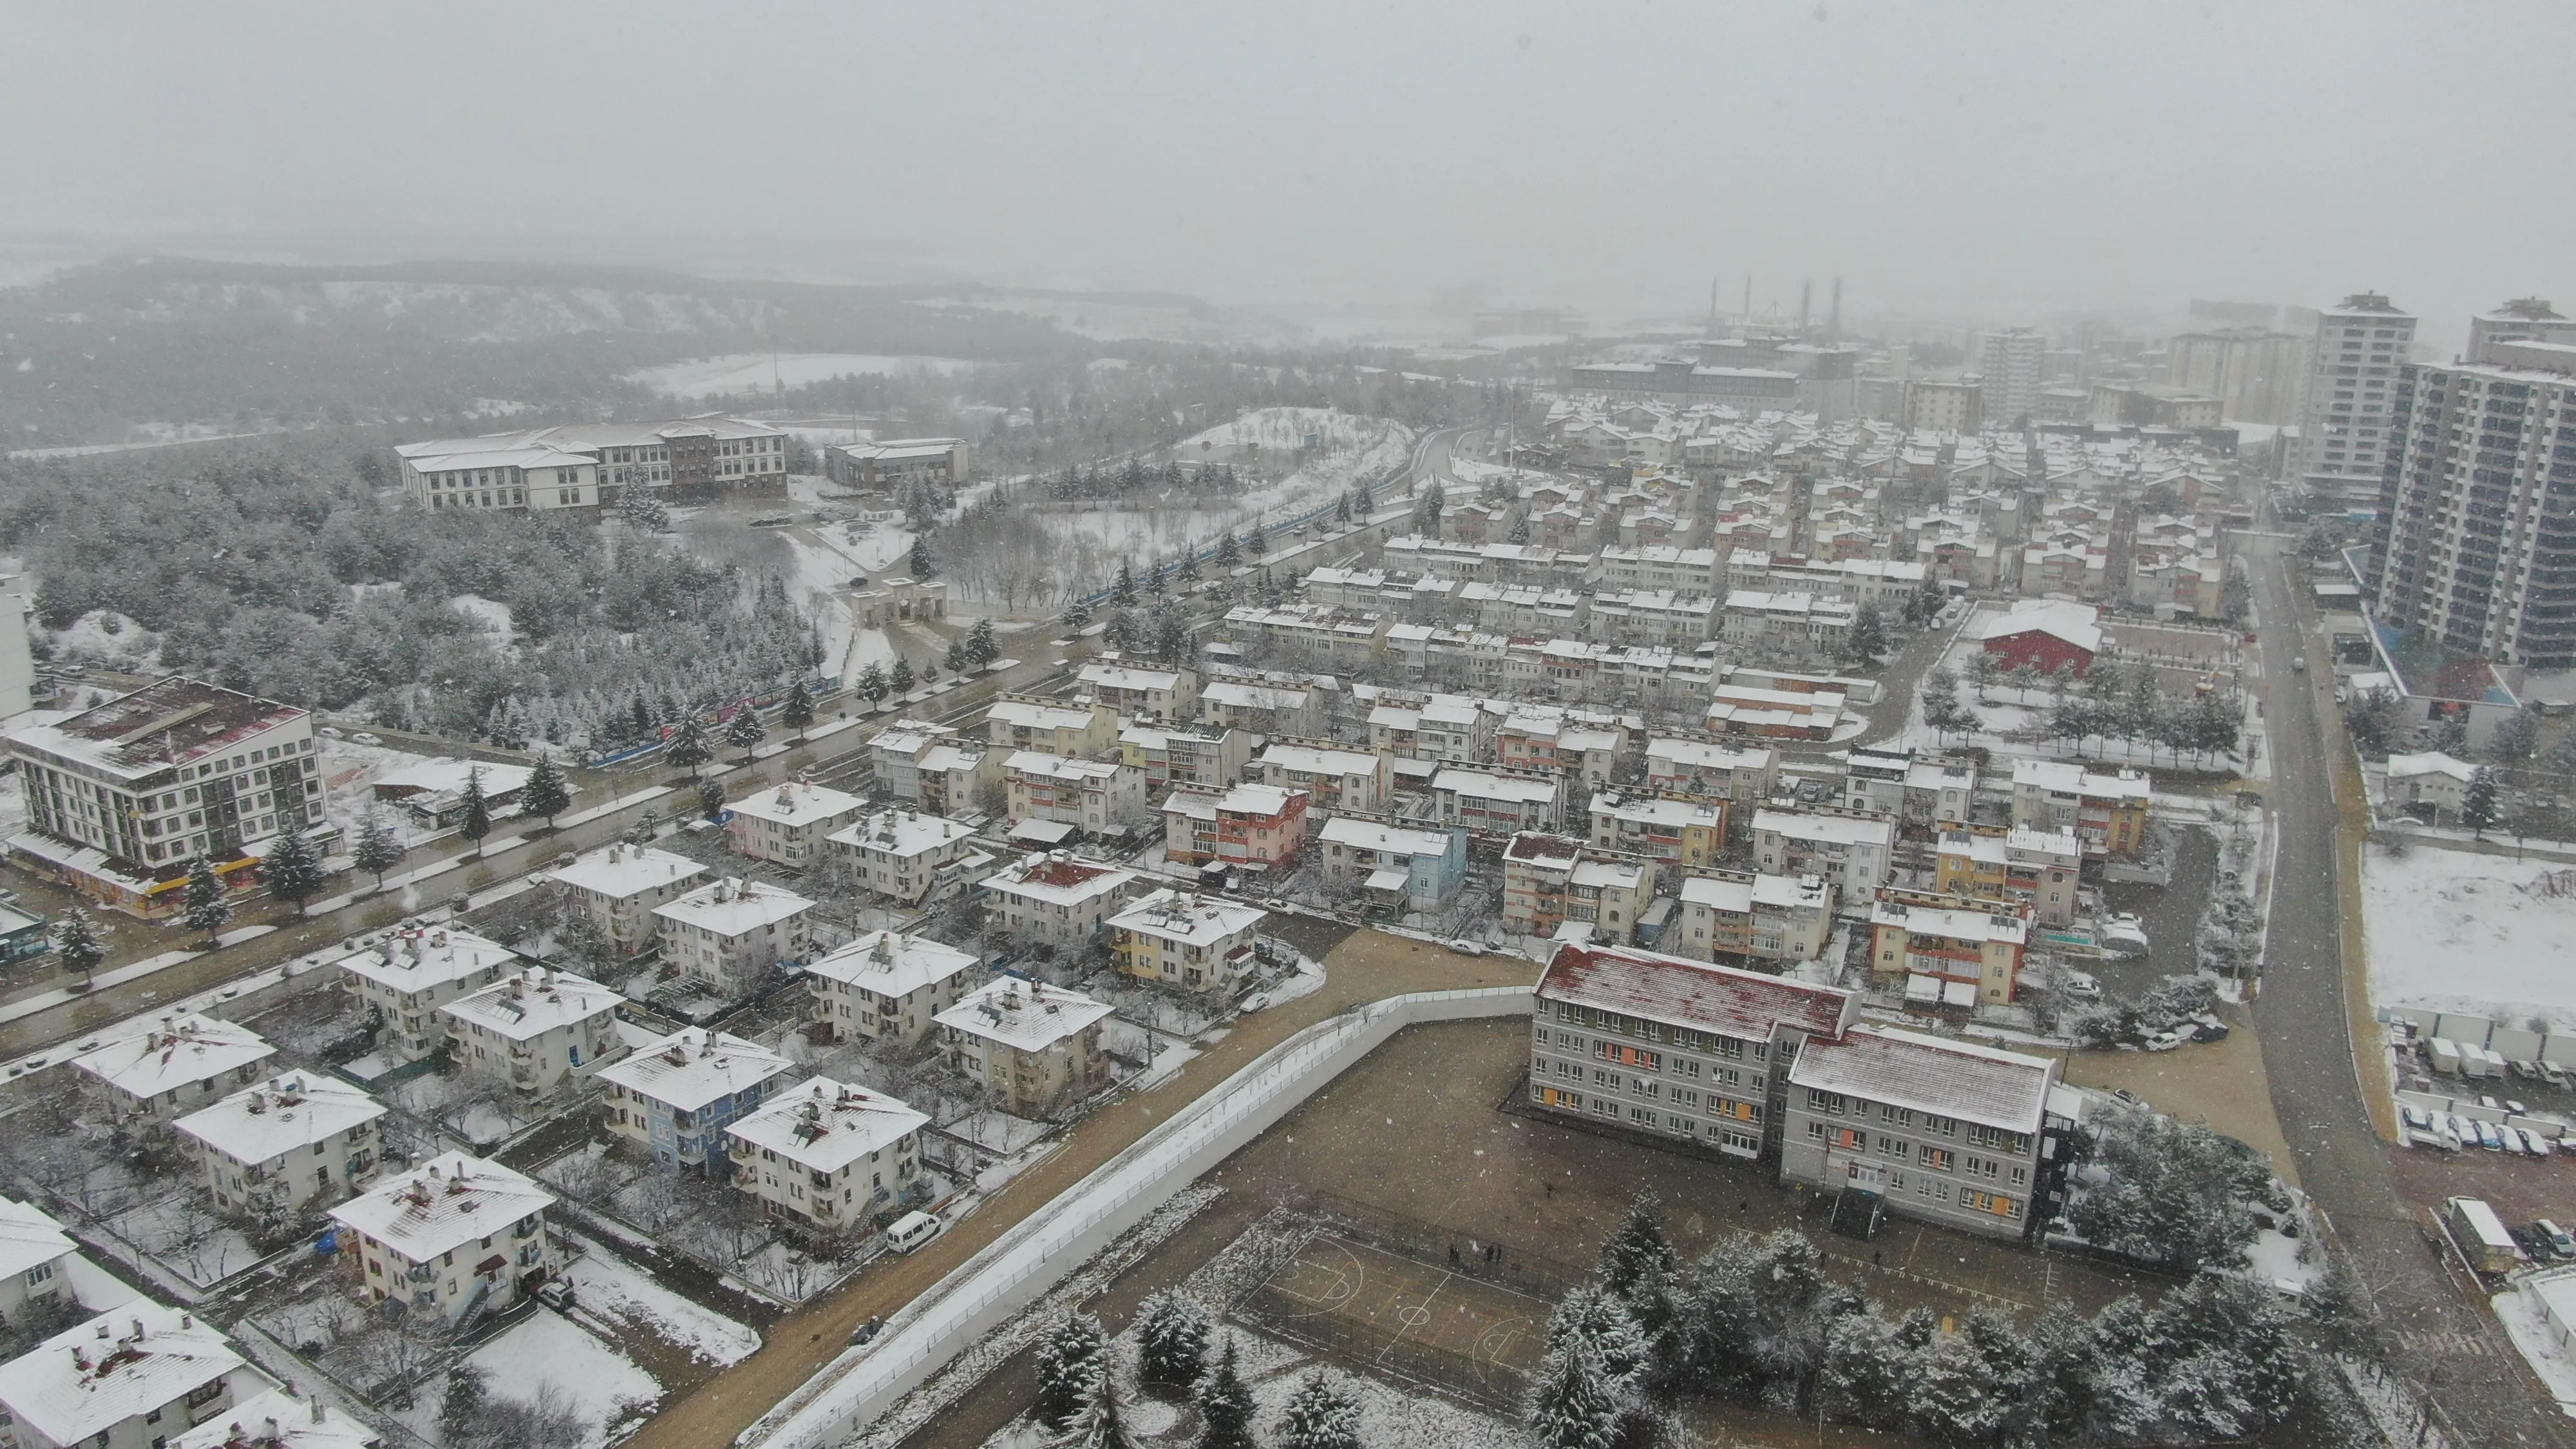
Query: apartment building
(1493, 805)
(1333, 778)
(535, 1028)
(184, 1061)
(895, 756)
(1198, 943)
(2349, 425)
(786, 826)
(886, 986)
(729, 933)
(1683, 1050)
(121, 796)
(1936, 406)
(1145, 692)
(1021, 724)
(1207, 756)
(277, 1147)
(1099, 797)
(618, 887)
(674, 1096)
(584, 465)
(1676, 832)
(1258, 825)
(35, 1262)
(1264, 706)
(1739, 917)
(2109, 813)
(1577, 744)
(280, 1419)
(1854, 851)
(1936, 1130)
(407, 974)
(906, 856)
(1399, 868)
(1549, 880)
(1056, 901)
(453, 1235)
(1034, 1047)
(131, 1378)
(1732, 771)
(2035, 868)
(1949, 952)
(890, 465)
(1446, 728)
(826, 1156)
(955, 777)
(1749, 712)
(2012, 374)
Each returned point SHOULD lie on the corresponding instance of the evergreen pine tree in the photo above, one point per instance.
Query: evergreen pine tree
(903, 678)
(1072, 1360)
(1342, 508)
(1172, 1337)
(930, 671)
(474, 809)
(460, 1413)
(982, 645)
(956, 656)
(1229, 549)
(205, 907)
(1571, 1405)
(711, 798)
(1189, 570)
(920, 561)
(1638, 1253)
(640, 718)
(77, 943)
(746, 730)
(1256, 543)
(1077, 615)
(377, 848)
(1225, 1404)
(872, 684)
(2481, 809)
(1868, 638)
(1096, 1424)
(293, 868)
(1320, 1414)
(1123, 592)
(546, 792)
(688, 747)
(798, 712)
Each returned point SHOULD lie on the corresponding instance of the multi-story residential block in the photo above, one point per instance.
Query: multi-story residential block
(1742, 918)
(1263, 706)
(451, 1236)
(2036, 868)
(895, 755)
(1949, 952)
(1694, 769)
(183, 1062)
(1939, 794)
(1448, 728)
(1549, 880)
(1396, 867)
(1494, 804)
(2257, 375)
(276, 1147)
(2349, 425)
(885, 986)
(617, 889)
(1874, 779)
(674, 1096)
(535, 1028)
(1678, 832)
(1207, 756)
(280, 1419)
(121, 796)
(1854, 851)
(887, 466)
(786, 826)
(1937, 1130)
(826, 1155)
(1101, 797)
(1021, 724)
(408, 974)
(1198, 943)
(729, 933)
(908, 857)
(583, 465)
(2110, 813)
(1056, 901)
(131, 1378)
(1684, 1050)
(1577, 744)
(1260, 825)
(1334, 778)
(1142, 691)
(954, 777)
(35, 1262)
(2012, 374)
(1034, 1047)
(1934, 406)
(1748, 711)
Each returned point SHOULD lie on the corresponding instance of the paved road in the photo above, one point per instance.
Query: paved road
(2305, 1015)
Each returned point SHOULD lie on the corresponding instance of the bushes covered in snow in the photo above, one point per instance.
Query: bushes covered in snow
(2170, 1193)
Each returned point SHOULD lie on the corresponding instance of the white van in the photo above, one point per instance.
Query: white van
(911, 1231)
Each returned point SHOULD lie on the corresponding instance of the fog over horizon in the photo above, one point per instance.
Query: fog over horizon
(1996, 163)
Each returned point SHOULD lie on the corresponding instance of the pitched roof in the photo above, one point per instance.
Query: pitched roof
(1023, 1015)
(1984, 1085)
(29, 1236)
(445, 1203)
(278, 1419)
(796, 803)
(825, 1125)
(180, 1052)
(532, 1002)
(693, 1066)
(1676, 992)
(1059, 879)
(730, 907)
(1174, 915)
(622, 870)
(416, 960)
(281, 1115)
(893, 964)
(124, 1363)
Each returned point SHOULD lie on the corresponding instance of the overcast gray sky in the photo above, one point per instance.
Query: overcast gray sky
(1997, 161)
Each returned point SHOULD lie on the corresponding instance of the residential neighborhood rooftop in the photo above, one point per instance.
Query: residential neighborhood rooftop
(796, 802)
(731, 906)
(532, 1002)
(176, 721)
(892, 964)
(622, 870)
(1186, 917)
(1985, 1085)
(1696, 994)
(693, 1066)
(444, 1204)
(824, 1125)
(84, 1381)
(281, 1115)
(417, 959)
(1023, 1015)
(182, 1051)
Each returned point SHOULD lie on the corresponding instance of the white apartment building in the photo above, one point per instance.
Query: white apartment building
(35, 1261)
(2012, 375)
(1493, 804)
(885, 986)
(825, 1154)
(278, 1419)
(1730, 914)
(673, 1096)
(894, 756)
(1056, 900)
(905, 856)
(1022, 725)
(406, 975)
(132, 1378)
(1198, 943)
(1102, 797)
(728, 934)
(1142, 691)
(2348, 421)
(534, 1028)
(584, 465)
(454, 1233)
(1941, 1131)
(279, 1146)
(185, 1061)
(1334, 779)
(1855, 852)
(618, 887)
(787, 826)
(1034, 1047)
(1447, 728)
(1742, 774)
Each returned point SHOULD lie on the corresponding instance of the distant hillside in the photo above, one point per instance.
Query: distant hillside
(151, 346)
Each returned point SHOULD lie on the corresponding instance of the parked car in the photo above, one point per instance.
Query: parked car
(1465, 947)
(364, 738)
(2560, 1241)
(2488, 1137)
(555, 1293)
(2132, 1098)
(866, 1333)
(2078, 983)
(911, 1231)
(332, 732)
(2124, 935)
(2164, 1041)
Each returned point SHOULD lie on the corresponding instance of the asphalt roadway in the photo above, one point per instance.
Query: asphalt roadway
(2440, 1329)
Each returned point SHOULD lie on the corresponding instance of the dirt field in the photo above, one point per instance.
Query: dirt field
(2222, 1083)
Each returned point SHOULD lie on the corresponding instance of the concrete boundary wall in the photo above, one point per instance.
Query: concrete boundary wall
(1022, 1265)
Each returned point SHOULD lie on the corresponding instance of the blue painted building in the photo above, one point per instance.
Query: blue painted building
(674, 1097)
(1397, 868)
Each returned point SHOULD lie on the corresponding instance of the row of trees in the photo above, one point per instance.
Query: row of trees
(1078, 1400)
(2108, 703)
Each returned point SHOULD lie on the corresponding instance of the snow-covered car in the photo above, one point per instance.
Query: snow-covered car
(2164, 1041)
(2078, 983)
(2124, 935)
(332, 732)
(1465, 947)
(1276, 903)
(555, 1294)
(2132, 1098)
(364, 738)
(1257, 1001)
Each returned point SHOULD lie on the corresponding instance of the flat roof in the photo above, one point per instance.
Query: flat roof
(176, 721)
(1985, 1085)
(1697, 994)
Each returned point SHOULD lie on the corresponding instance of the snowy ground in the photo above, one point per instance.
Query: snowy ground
(613, 1289)
(492, 614)
(1126, 1040)
(755, 372)
(2527, 1324)
(604, 1386)
(110, 639)
(2454, 930)
(349, 773)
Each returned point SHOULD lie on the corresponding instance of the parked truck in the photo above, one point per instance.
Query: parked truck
(2446, 1056)
(2480, 1236)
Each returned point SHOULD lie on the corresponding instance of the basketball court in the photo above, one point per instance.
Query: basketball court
(1382, 1311)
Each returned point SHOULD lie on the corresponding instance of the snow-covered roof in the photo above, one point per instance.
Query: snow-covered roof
(440, 777)
(892, 964)
(2077, 624)
(1696, 994)
(731, 907)
(908, 736)
(1026, 1016)
(1619, 875)
(1237, 695)
(177, 721)
(1709, 755)
(1128, 676)
(796, 803)
(1539, 849)
(1482, 785)
(1718, 893)
(943, 757)
(1044, 766)
(281, 1115)
(1059, 879)
(1985, 1085)
(530, 1003)
(1656, 810)
(622, 870)
(1941, 775)
(1315, 760)
(2068, 778)
(693, 1066)
(1262, 800)
(1375, 835)
(823, 1125)
(1395, 717)
(278, 1419)
(129, 1361)
(2429, 762)
(1029, 714)
(901, 833)
(1833, 829)
(1958, 924)
(1186, 917)
(29, 1236)
(179, 1052)
(444, 1204)
(415, 960)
